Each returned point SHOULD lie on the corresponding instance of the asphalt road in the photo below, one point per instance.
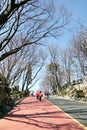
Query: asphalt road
(75, 109)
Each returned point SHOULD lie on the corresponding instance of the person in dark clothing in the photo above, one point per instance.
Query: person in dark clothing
(40, 95)
(46, 93)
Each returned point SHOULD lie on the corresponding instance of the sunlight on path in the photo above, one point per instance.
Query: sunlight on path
(32, 114)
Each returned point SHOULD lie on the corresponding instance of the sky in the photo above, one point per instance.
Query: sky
(78, 8)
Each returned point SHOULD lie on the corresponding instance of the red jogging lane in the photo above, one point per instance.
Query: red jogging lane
(31, 114)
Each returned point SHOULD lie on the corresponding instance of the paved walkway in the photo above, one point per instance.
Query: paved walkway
(31, 114)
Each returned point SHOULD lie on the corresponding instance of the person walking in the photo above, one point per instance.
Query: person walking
(39, 95)
(46, 93)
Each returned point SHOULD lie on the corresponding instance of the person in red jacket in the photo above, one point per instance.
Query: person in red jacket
(39, 95)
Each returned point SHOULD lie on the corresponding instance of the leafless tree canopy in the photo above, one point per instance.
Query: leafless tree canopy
(25, 65)
(79, 44)
(66, 64)
(32, 19)
(24, 23)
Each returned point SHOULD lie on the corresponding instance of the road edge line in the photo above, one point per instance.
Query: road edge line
(85, 128)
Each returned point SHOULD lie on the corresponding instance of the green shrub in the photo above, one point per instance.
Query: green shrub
(4, 90)
(25, 93)
(14, 96)
(63, 92)
(80, 93)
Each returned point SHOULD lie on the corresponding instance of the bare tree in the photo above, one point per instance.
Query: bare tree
(30, 18)
(33, 68)
(67, 64)
(79, 44)
(9, 7)
(46, 84)
(14, 66)
(54, 67)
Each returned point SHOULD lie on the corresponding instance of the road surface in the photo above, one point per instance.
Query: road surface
(77, 110)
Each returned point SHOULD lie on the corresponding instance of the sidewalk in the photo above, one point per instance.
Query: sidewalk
(31, 114)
